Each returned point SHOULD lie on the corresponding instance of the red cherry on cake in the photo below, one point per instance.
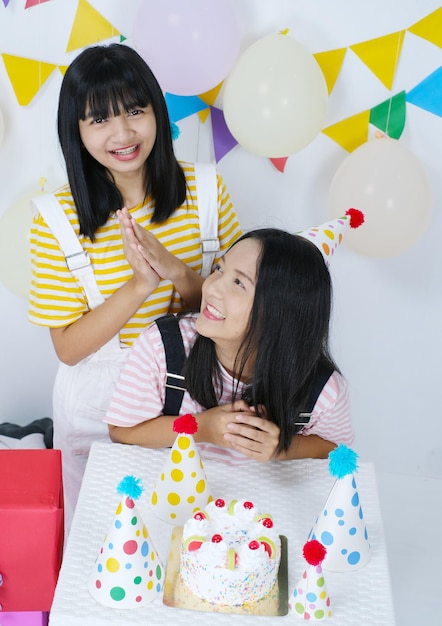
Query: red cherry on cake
(220, 503)
(254, 545)
(248, 505)
(199, 516)
(217, 538)
(267, 522)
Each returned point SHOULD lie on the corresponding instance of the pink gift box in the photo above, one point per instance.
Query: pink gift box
(24, 618)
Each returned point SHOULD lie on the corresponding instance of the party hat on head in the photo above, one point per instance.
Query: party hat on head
(309, 598)
(328, 236)
(182, 485)
(341, 527)
(127, 572)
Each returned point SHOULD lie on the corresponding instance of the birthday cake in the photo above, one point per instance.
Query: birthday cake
(230, 553)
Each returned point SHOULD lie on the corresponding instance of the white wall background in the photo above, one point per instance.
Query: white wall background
(387, 316)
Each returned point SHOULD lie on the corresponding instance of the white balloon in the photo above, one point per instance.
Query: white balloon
(15, 266)
(2, 127)
(275, 98)
(387, 183)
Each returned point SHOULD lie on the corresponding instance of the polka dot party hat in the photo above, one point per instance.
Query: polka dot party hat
(127, 572)
(309, 599)
(328, 236)
(341, 527)
(182, 486)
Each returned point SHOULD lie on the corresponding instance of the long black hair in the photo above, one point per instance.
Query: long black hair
(106, 80)
(287, 334)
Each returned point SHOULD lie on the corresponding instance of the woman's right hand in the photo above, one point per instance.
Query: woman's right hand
(212, 423)
(143, 272)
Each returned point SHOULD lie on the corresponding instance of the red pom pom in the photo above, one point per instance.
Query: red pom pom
(314, 552)
(356, 217)
(186, 424)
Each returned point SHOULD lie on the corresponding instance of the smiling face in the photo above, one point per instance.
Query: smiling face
(227, 299)
(121, 143)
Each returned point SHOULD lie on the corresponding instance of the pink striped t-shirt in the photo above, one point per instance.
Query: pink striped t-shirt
(140, 392)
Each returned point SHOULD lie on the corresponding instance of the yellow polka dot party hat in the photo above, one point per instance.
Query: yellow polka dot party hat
(328, 236)
(127, 572)
(181, 487)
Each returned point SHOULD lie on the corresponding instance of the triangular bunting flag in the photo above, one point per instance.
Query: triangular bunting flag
(351, 132)
(204, 114)
(223, 140)
(32, 3)
(381, 55)
(180, 107)
(430, 28)
(63, 69)
(210, 96)
(428, 94)
(27, 76)
(389, 116)
(279, 163)
(6, 2)
(330, 63)
(89, 27)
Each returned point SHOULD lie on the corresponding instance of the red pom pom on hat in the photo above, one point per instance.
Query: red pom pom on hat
(356, 217)
(314, 552)
(186, 424)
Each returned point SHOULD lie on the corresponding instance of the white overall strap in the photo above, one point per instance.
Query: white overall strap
(207, 194)
(77, 259)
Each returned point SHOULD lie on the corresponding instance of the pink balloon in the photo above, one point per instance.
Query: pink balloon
(190, 45)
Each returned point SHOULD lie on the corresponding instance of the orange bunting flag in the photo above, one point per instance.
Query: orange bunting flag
(89, 27)
(27, 76)
(429, 28)
(381, 55)
(351, 132)
(330, 63)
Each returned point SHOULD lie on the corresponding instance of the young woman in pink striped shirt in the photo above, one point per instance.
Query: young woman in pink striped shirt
(254, 354)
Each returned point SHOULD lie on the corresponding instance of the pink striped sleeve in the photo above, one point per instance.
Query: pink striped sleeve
(331, 417)
(139, 392)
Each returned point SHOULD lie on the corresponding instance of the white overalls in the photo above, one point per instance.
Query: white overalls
(82, 392)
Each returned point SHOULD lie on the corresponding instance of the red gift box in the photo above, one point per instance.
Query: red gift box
(31, 528)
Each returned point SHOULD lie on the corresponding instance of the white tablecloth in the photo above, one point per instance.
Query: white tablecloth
(293, 491)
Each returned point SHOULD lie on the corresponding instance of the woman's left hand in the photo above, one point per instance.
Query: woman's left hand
(256, 437)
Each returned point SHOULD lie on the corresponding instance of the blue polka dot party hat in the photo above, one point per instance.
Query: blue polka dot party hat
(127, 572)
(340, 527)
(309, 599)
(182, 487)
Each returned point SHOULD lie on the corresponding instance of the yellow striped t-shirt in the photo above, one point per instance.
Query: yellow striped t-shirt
(57, 300)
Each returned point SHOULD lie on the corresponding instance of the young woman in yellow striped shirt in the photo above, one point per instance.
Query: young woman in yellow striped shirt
(134, 210)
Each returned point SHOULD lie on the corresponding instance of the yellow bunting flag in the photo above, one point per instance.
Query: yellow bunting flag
(26, 76)
(209, 98)
(381, 55)
(429, 28)
(89, 27)
(351, 132)
(63, 69)
(330, 63)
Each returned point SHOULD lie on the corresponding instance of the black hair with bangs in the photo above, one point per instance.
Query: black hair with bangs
(287, 336)
(103, 81)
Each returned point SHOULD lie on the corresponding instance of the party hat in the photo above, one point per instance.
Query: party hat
(309, 598)
(340, 527)
(127, 572)
(182, 486)
(328, 236)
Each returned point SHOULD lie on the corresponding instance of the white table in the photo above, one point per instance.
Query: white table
(294, 491)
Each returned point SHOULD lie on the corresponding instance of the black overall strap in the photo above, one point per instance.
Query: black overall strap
(323, 374)
(175, 357)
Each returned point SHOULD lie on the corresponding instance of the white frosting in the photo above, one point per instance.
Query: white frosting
(204, 562)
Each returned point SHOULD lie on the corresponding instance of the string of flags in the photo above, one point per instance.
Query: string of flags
(379, 55)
